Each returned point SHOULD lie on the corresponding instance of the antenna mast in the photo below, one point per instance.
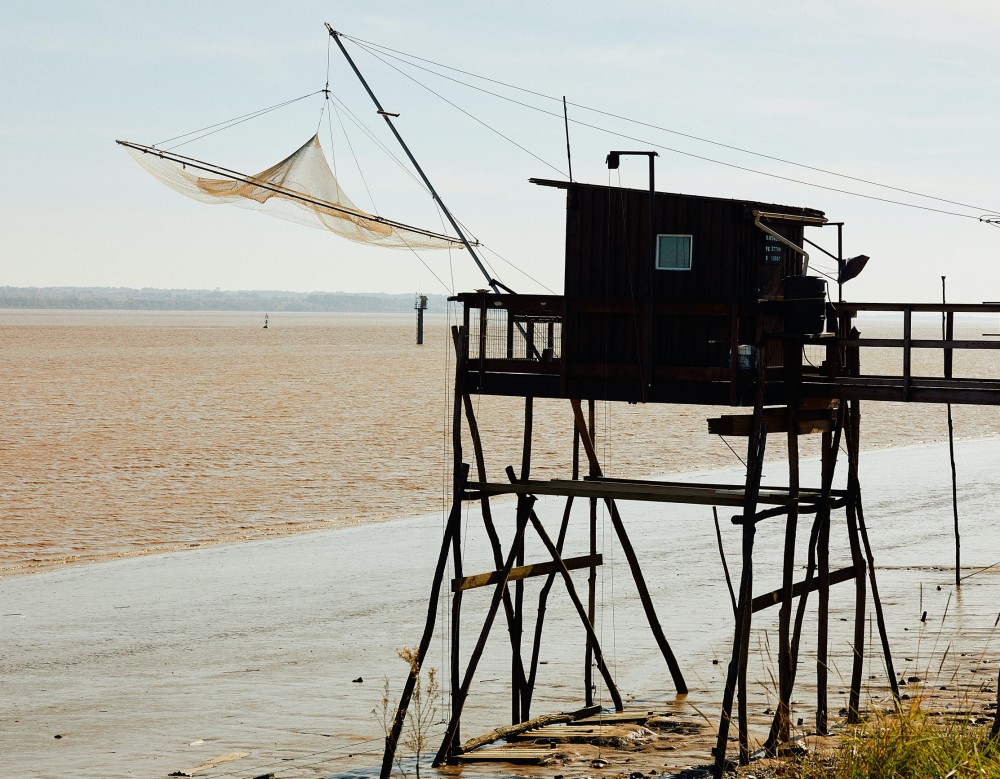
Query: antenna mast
(494, 284)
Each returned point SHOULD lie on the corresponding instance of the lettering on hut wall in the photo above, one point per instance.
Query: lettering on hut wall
(774, 250)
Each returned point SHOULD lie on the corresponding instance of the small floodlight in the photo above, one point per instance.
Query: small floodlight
(613, 160)
(852, 268)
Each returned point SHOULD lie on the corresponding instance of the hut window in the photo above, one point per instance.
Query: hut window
(673, 252)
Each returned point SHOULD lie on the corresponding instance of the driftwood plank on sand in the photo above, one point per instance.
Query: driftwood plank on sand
(212, 763)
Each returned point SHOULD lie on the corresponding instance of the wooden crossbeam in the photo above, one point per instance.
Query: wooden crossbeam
(524, 572)
(775, 597)
(663, 492)
(526, 755)
(776, 420)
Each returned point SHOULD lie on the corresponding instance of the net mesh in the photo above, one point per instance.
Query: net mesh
(301, 188)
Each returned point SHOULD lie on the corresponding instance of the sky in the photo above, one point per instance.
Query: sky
(899, 93)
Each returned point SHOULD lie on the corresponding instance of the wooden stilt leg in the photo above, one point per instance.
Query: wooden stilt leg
(822, 516)
(477, 652)
(456, 634)
(452, 528)
(633, 562)
(793, 376)
(857, 558)
(588, 626)
(491, 532)
(588, 657)
(588, 674)
(785, 671)
(736, 672)
(746, 590)
(800, 612)
(540, 619)
(517, 672)
(995, 730)
(877, 601)
(393, 738)
(853, 363)
(823, 610)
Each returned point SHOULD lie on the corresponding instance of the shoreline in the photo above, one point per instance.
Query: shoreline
(306, 527)
(154, 664)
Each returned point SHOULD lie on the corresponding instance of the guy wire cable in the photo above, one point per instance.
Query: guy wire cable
(390, 52)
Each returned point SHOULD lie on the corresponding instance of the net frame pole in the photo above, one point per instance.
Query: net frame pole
(416, 165)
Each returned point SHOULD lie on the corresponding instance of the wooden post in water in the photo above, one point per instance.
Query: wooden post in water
(488, 524)
(456, 537)
(420, 305)
(995, 730)
(588, 656)
(948, 334)
(854, 489)
(793, 370)
(518, 690)
(829, 460)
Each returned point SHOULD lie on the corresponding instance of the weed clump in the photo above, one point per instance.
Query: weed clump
(421, 715)
(907, 744)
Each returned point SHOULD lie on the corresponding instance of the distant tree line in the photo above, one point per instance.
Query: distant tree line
(123, 298)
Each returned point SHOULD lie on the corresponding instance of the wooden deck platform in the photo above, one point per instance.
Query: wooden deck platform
(645, 490)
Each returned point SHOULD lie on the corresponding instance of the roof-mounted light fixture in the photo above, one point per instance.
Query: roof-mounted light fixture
(852, 268)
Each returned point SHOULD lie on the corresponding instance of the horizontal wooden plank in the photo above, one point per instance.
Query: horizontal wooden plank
(662, 492)
(917, 343)
(774, 597)
(776, 420)
(526, 755)
(979, 308)
(524, 572)
(919, 382)
(942, 391)
(575, 732)
(624, 717)
(515, 365)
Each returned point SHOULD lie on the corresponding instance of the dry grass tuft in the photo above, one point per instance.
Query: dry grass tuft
(909, 744)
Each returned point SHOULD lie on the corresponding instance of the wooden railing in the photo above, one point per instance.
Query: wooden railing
(907, 382)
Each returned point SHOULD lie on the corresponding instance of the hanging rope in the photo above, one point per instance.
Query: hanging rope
(357, 164)
(981, 570)
(218, 127)
(735, 453)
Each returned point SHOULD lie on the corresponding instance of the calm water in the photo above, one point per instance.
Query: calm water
(127, 433)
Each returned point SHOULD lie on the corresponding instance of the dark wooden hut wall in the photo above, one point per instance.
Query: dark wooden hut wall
(611, 280)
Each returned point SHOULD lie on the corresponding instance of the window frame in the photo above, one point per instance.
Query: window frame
(690, 252)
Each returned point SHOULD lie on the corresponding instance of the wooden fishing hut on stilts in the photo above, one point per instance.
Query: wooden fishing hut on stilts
(679, 299)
